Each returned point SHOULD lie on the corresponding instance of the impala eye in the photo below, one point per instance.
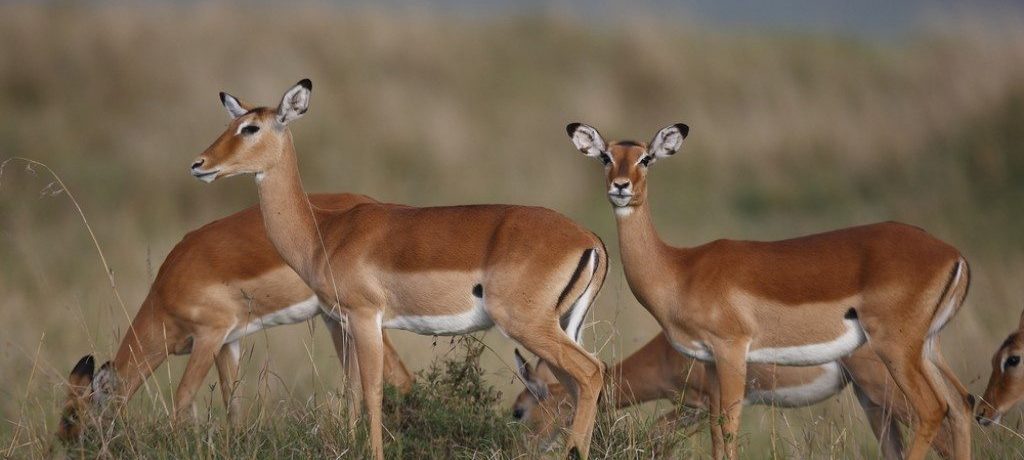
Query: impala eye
(646, 160)
(249, 129)
(1012, 361)
(606, 159)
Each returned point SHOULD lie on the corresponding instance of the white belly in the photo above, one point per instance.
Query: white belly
(815, 353)
(474, 319)
(291, 314)
(828, 384)
(695, 350)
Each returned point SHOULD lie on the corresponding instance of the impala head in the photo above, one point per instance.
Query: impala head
(626, 162)
(255, 137)
(544, 406)
(87, 391)
(1006, 385)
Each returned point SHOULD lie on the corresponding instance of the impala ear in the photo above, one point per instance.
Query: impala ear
(81, 375)
(535, 385)
(586, 139)
(295, 102)
(523, 367)
(234, 106)
(668, 141)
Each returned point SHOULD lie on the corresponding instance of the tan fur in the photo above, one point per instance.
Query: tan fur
(737, 297)
(378, 262)
(1006, 385)
(224, 274)
(657, 371)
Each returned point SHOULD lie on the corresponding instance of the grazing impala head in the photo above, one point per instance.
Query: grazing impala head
(1006, 385)
(626, 162)
(79, 399)
(87, 392)
(248, 145)
(544, 405)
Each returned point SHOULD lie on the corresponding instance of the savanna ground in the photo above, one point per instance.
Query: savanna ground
(790, 134)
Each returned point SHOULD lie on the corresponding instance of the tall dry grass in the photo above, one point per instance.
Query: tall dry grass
(791, 134)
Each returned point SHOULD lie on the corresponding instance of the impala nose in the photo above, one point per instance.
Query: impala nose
(620, 185)
(198, 163)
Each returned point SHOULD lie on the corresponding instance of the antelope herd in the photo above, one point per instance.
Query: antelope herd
(787, 323)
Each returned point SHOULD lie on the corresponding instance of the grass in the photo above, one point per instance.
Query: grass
(791, 134)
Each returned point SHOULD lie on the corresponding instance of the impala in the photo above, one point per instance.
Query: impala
(803, 301)
(657, 371)
(433, 271)
(220, 283)
(1006, 385)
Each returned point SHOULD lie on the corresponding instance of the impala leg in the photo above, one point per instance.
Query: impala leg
(954, 437)
(395, 372)
(204, 351)
(907, 365)
(957, 429)
(227, 372)
(715, 412)
(345, 349)
(731, 370)
(578, 371)
(369, 346)
(678, 419)
(883, 424)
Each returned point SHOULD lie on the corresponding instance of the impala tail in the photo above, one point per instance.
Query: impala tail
(575, 300)
(952, 297)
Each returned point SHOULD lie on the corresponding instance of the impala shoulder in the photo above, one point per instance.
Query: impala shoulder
(339, 201)
(901, 227)
(714, 249)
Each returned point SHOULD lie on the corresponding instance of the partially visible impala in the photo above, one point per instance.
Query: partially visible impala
(434, 271)
(1006, 385)
(657, 371)
(803, 301)
(224, 278)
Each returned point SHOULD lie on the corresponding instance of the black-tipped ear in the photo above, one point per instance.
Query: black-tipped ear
(683, 129)
(586, 139)
(234, 107)
(523, 367)
(85, 367)
(295, 102)
(668, 141)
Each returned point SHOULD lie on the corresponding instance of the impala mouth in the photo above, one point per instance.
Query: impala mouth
(205, 176)
(985, 421)
(620, 199)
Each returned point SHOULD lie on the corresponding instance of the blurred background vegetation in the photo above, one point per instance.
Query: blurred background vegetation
(794, 130)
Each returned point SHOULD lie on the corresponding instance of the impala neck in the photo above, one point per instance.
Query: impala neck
(645, 257)
(647, 374)
(287, 214)
(634, 385)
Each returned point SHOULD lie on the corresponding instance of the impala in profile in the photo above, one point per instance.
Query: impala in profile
(804, 301)
(1006, 384)
(220, 283)
(657, 371)
(433, 271)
